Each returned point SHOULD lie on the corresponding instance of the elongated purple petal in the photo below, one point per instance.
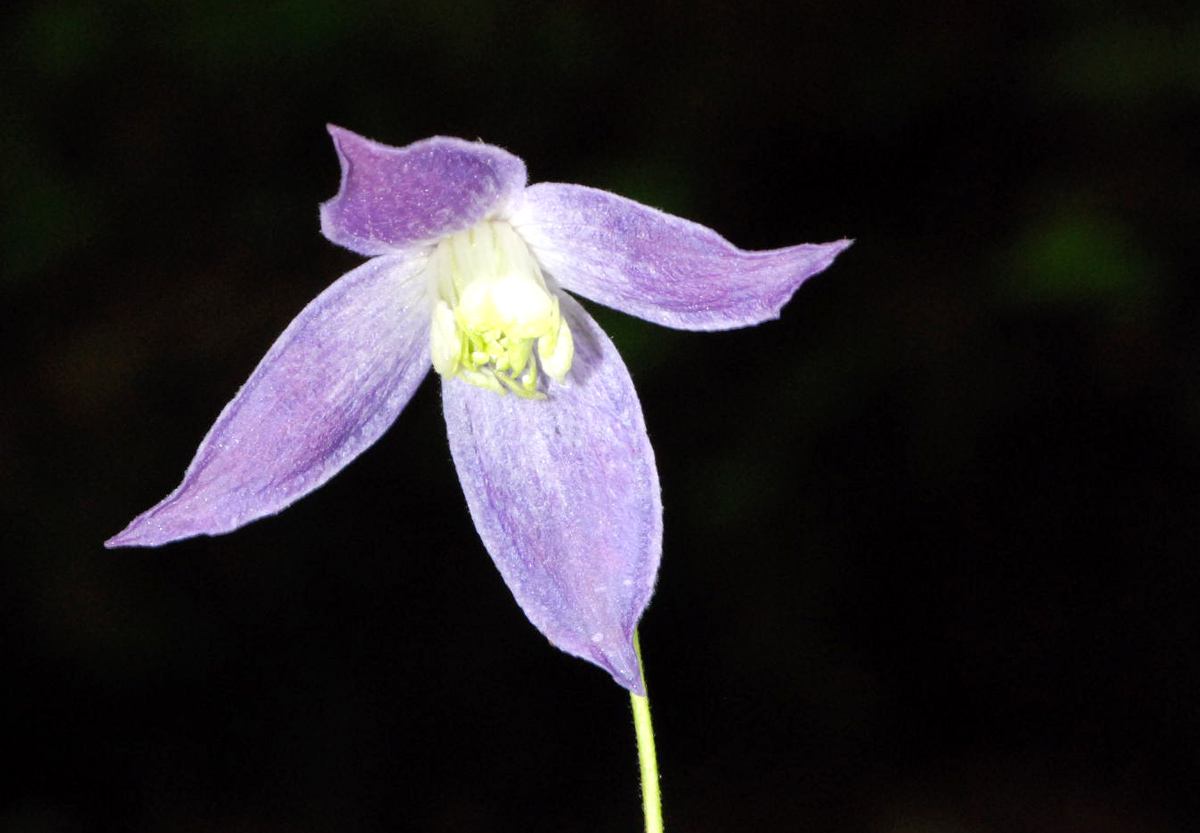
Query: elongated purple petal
(662, 268)
(331, 384)
(565, 496)
(391, 198)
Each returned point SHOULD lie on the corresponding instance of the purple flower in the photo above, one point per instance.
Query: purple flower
(466, 273)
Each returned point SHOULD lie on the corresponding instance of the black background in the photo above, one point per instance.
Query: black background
(930, 550)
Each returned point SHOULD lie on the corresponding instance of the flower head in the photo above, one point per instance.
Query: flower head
(466, 274)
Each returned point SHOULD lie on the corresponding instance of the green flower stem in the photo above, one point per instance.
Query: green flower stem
(651, 797)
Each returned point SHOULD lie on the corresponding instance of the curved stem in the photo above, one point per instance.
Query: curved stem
(651, 796)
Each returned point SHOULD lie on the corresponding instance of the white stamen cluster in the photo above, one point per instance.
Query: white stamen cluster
(493, 311)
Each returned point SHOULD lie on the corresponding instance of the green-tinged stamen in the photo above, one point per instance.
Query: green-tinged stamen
(492, 310)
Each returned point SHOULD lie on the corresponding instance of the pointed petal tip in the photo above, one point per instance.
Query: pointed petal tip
(124, 540)
(341, 138)
(631, 682)
(828, 253)
(633, 686)
(127, 537)
(152, 529)
(836, 247)
(117, 541)
(622, 662)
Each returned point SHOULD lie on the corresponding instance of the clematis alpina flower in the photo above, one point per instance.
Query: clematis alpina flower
(466, 273)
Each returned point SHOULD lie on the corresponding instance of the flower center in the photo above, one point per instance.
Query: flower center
(493, 312)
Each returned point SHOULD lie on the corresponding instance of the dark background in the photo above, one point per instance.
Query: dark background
(930, 551)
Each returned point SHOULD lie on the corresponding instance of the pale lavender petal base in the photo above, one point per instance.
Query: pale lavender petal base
(392, 198)
(656, 266)
(565, 495)
(331, 384)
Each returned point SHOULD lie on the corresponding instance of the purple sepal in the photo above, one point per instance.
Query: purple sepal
(565, 495)
(392, 198)
(656, 266)
(332, 383)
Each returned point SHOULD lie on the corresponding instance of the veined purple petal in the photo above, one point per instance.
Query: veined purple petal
(662, 268)
(331, 384)
(564, 493)
(391, 198)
